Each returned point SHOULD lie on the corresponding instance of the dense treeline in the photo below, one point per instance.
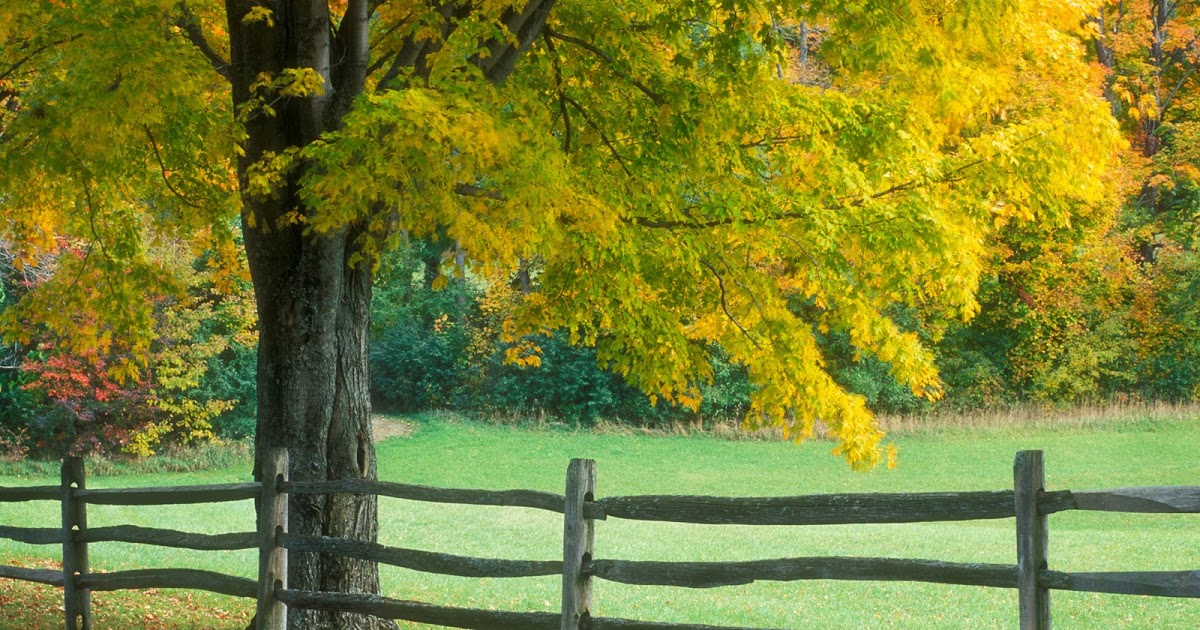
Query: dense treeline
(1103, 308)
(1078, 337)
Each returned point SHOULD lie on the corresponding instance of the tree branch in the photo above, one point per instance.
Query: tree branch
(1166, 104)
(190, 25)
(404, 58)
(87, 191)
(379, 63)
(384, 58)
(954, 175)
(603, 137)
(770, 142)
(741, 285)
(725, 303)
(352, 41)
(163, 169)
(562, 100)
(526, 26)
(414, 50)
(37, 51)
(612, 64)
(470, 190)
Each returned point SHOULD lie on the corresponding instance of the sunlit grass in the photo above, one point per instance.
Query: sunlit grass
(444, 453)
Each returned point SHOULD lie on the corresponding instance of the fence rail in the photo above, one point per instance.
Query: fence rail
(1028, 503)
(424, 561)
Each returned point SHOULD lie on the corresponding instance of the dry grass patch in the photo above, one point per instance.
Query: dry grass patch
(385, 428)
(1037, 417)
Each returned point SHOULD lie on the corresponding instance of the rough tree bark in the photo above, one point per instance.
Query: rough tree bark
(313, 305)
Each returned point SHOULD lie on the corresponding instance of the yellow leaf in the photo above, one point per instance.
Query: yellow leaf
(259, 14)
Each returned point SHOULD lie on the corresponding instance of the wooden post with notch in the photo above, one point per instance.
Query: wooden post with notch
(272, 559)
(578, 539)
(77, 602)
(1029, 479)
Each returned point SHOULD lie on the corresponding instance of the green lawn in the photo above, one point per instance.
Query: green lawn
(481, 456)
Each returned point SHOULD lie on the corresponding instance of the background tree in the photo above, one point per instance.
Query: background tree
(1151, 53)
(69, 398)
(677, 193)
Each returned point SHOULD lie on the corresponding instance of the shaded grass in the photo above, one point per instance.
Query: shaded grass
(201, 456)
(455, 454)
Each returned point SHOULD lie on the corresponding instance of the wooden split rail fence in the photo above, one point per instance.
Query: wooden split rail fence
(1028, 502)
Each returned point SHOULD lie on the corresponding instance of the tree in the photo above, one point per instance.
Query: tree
(1151, 56)
(676, 191)
(1150, 53)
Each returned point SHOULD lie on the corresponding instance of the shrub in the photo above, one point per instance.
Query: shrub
(232, 376)
(414, 367)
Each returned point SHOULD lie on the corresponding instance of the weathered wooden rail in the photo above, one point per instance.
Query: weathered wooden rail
(1028, 503)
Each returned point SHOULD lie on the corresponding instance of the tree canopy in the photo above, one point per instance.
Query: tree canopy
(682, 175)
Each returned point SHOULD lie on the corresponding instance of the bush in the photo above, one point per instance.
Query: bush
(568, 384)
(232, 375)
(414, 367)
(728, 396)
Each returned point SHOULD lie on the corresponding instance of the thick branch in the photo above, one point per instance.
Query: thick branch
(405, 58)
(501, 59)
(526, 26)
(190, 25)
(351, 42)
(379, 63)
(385, 58)
(413, 51)
(562, 100)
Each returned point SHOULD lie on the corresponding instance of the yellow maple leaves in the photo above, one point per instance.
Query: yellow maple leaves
(679, 190)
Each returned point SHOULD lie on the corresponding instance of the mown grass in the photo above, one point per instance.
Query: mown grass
(456, 454)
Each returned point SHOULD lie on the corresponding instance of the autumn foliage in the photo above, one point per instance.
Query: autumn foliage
(106, 398)
(931, 198)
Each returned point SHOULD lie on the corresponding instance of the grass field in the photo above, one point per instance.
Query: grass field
(454, 454)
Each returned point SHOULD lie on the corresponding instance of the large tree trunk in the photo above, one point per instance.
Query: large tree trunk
(313, 306)
(313, 399)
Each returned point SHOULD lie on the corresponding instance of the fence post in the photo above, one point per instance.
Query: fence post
(1029, 479)
(77, 602)
(578, 538)
(272, 559)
